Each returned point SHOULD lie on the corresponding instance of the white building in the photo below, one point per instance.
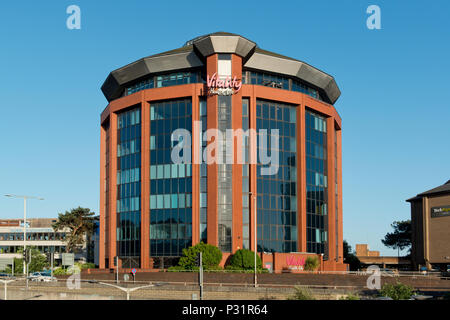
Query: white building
(39, 234)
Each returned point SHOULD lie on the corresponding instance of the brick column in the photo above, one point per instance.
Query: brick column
(102, 198)
(331, 191)
(212, 104)
(236, 123)
(112, 189)
(340, 236)
(145, 183)
(301, 178)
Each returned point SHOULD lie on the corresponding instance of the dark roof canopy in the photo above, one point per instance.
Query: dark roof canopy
(193, 55)
(443, 189)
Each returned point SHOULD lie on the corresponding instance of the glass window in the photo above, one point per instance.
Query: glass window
(316, 182)
(203, 200)
(172, 180)
(128, 183)
(278, 190)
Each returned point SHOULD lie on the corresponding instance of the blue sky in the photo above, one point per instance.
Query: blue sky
(394, 83)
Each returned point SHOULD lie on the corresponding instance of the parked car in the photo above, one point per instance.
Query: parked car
(47, 279)
(44, 276)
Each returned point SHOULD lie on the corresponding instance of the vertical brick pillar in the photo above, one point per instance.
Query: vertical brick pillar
(212, 104)
(145, 182)
(113, 189)
(101, 254)
(301, 178)
(331, 191)
(340, 213)
(236, 123)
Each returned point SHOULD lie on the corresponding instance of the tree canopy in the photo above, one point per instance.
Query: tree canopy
(38, 262)
(400, 238)
(211, 257)
(350, 257)
(80, 222)
(244, 259)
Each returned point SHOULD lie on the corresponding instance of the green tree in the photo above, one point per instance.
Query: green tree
(244, 259)
(401, 237)
(80, 222)
(311, 263)
(211, 257)
(38, 262)
(350, 257)
(18, 267)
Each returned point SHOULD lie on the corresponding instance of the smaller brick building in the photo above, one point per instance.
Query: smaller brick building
(430, 225)
(368, 257)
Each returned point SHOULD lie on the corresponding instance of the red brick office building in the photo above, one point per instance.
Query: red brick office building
(151, 208)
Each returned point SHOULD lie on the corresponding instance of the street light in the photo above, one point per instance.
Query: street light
(127, 290)
(254, 232)
(5, 282)
(24, 223)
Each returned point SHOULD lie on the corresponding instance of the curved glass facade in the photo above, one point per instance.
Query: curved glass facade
(246, 198)
(129, 185)
(170, 184)
(225, 183)
(224, 167)
(280, 82)
(277, 194)
(164, 80)
(203, 176)
(316, 184)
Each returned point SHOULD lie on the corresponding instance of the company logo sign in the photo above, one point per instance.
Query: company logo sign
(440, 211)
(223, 86)
(295, 263)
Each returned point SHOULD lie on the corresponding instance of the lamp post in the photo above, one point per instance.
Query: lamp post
(253, 195)
(5, 282)
(127, 290)
(24, 224)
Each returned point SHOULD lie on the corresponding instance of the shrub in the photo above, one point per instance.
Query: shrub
(302, 294)
(86, 265)
(240, 270)
(244, 259)
(398, 291)
(232, 268)
(211, 257)
(311, 263)
(59, 272)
